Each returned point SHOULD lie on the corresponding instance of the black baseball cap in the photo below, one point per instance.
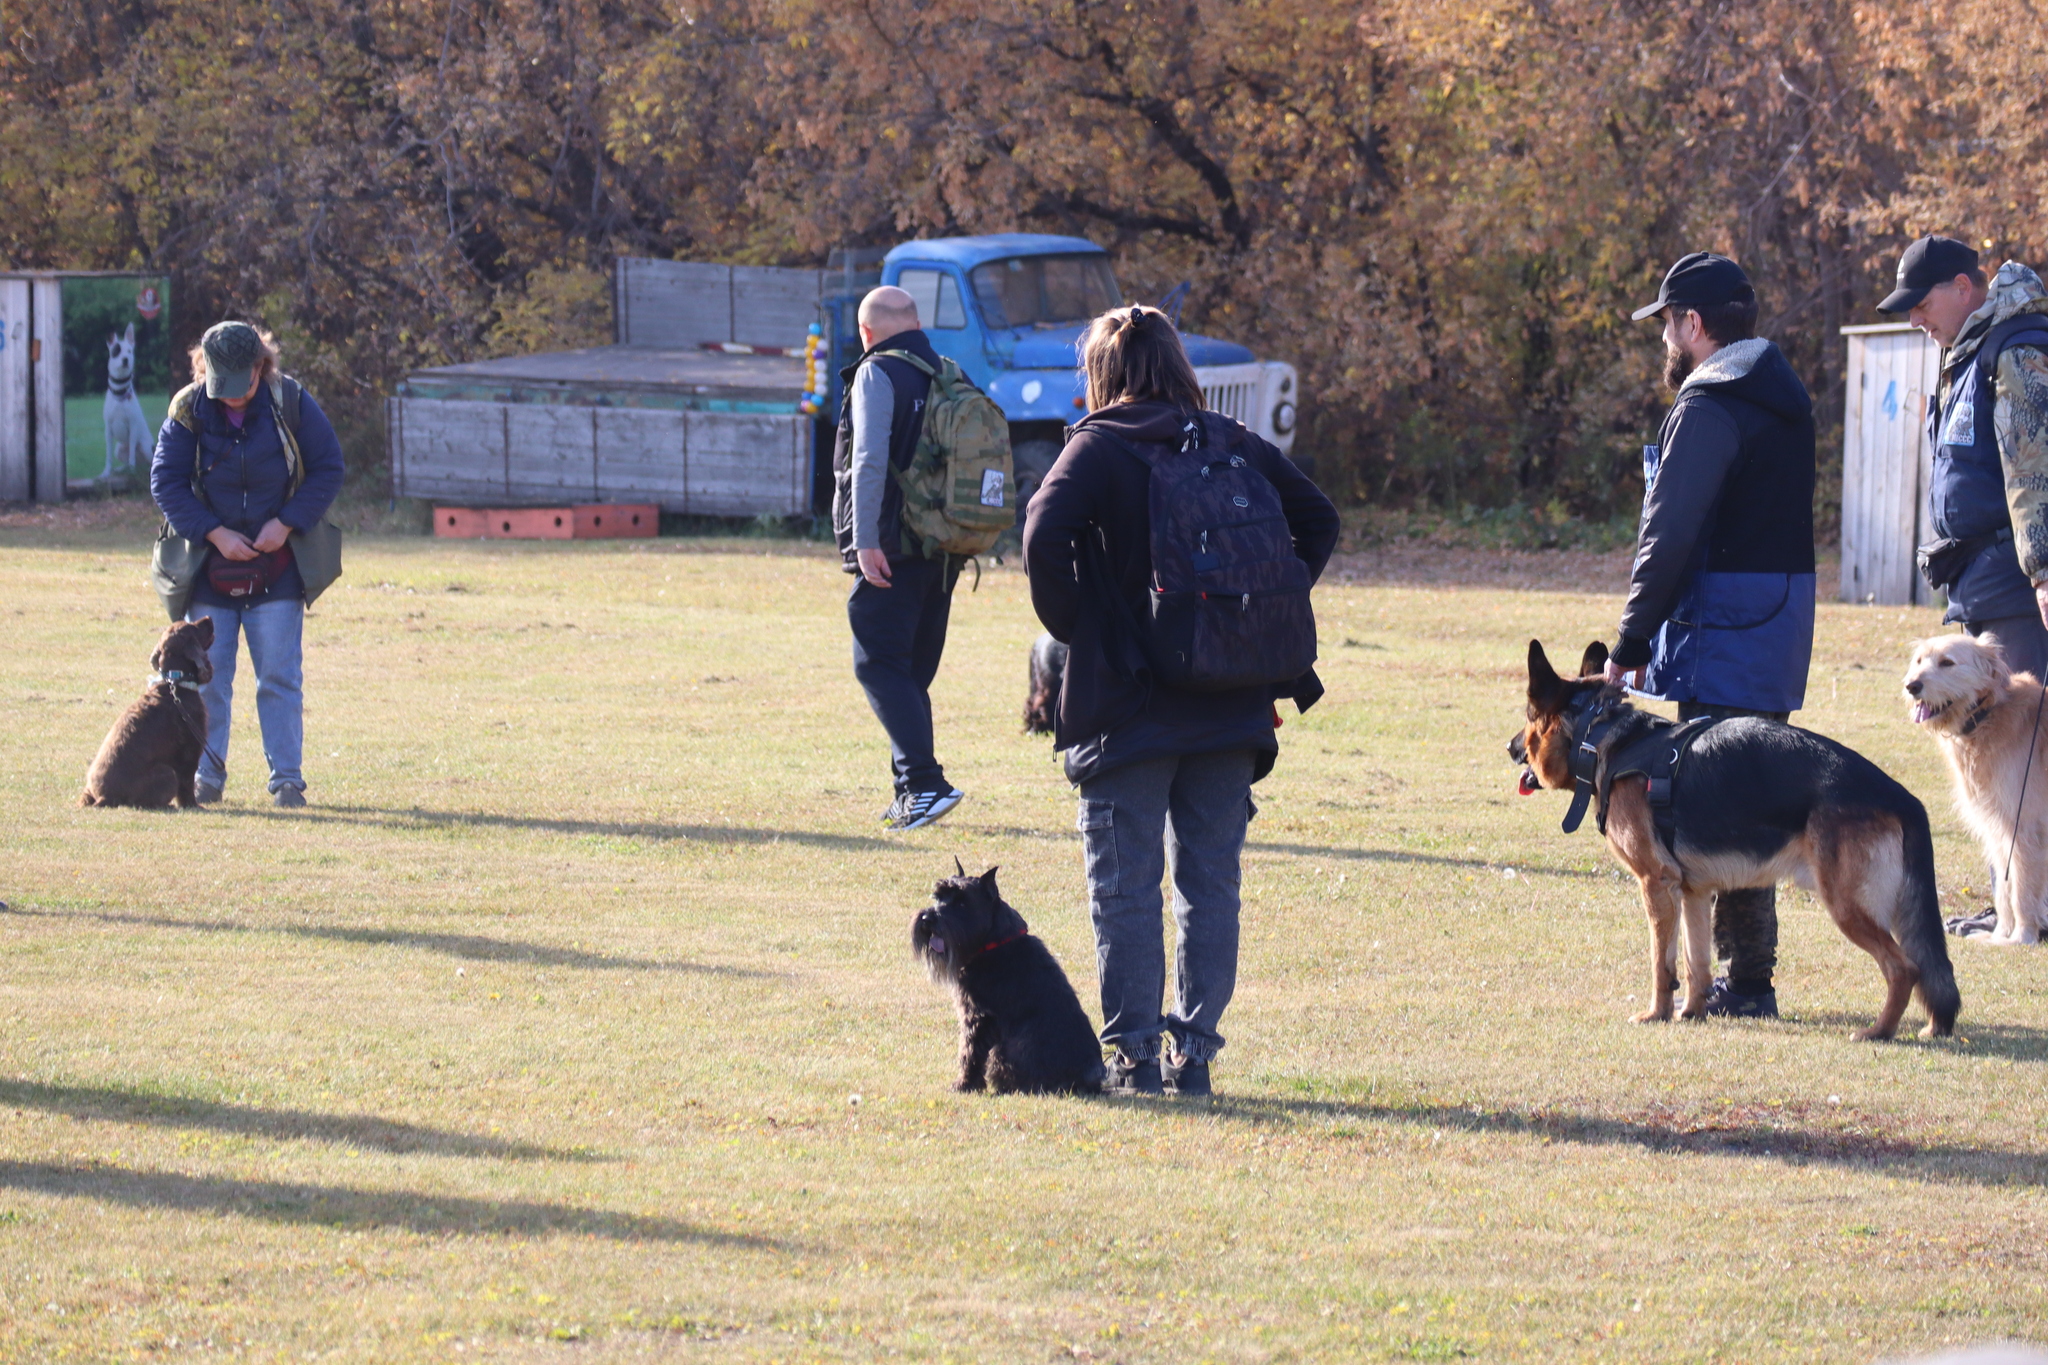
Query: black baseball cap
(1701, 280)
(1928, 262)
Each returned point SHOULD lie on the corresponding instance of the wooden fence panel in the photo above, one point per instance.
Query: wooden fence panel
(746, 464)
(772, 306)
(17, 458)
(676, 304)
(641, 457)
(550, 453)
(452, 450)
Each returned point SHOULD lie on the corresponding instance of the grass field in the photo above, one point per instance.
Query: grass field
(576, 1018)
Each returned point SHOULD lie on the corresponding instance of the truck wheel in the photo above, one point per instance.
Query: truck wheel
(1032, 461)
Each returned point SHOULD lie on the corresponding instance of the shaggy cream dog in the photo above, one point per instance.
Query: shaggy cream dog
(1987, 720)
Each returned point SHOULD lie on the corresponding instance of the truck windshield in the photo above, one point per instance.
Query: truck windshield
(1042, 291)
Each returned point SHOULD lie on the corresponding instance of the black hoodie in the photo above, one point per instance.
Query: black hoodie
(1733, 491)
(1109, 713)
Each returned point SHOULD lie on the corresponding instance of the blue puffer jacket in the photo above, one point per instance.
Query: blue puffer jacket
(244, 474)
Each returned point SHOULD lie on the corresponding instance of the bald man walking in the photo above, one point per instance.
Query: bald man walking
(901, 600)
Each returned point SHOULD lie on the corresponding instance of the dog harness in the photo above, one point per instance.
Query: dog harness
(1616, 740)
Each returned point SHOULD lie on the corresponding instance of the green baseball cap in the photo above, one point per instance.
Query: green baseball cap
(233, 351)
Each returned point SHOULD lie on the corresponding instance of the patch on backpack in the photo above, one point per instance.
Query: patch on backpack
(991, 488)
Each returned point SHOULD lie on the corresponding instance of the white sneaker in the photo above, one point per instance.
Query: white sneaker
(915, 810)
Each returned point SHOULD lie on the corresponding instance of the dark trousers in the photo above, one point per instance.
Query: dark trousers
(899, 633)
(1745, 921)
(2023, 640)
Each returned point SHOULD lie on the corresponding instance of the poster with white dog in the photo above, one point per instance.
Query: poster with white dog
(117, 375)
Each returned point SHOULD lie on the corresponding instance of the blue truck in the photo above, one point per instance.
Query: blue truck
(721, 391)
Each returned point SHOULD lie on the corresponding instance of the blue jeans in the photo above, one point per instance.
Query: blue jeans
(275, 629)
(1184, 815)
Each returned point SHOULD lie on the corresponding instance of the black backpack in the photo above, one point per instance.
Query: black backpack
(1229, 600)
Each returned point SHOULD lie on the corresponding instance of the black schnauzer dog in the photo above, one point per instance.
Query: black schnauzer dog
(1048, 668)
(1021, 1028)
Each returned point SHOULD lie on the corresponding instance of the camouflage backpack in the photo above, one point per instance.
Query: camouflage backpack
(956, 488)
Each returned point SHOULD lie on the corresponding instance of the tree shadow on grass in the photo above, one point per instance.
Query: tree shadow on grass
(1402, 855)
(474, 947)
(1777, 1133)
(417, 818)
(119, 1105)
(344, 1206)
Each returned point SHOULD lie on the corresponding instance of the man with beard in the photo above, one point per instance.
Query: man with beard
(1720, 604)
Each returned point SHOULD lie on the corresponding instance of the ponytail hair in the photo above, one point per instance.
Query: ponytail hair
(1133, 354)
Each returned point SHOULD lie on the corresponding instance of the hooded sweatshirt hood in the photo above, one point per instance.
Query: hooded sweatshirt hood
(1149, 420)
(1757, 372)
(2014, 290)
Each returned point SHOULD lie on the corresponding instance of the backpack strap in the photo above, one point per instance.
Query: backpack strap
(916, 360)
(285, 395)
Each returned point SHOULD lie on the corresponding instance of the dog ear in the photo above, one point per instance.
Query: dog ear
(958, 870)
(988, 879)
(205, 624)
(1595, 660)
(1544, 684)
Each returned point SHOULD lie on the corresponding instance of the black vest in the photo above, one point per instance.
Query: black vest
(1966, 491)
(910, 386)
(1763, 522)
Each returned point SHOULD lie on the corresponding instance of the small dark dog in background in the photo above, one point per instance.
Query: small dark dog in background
(1048, 667)
(1021, 1027)
(151, 756)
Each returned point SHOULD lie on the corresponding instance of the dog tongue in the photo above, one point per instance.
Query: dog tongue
(1921, 711)
(1528, 785)
(936, 944)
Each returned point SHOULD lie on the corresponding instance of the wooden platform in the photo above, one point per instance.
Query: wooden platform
(590, 521)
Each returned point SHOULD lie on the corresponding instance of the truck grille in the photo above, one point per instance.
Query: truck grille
(1233, 400)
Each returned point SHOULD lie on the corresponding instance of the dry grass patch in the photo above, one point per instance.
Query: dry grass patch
(579, 1009)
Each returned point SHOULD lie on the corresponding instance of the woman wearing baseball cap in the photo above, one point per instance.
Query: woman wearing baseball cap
(245, 469)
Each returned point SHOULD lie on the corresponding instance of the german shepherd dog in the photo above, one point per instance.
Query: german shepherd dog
(1754, 802)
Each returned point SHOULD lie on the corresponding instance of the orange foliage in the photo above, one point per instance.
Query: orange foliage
(1440, 209)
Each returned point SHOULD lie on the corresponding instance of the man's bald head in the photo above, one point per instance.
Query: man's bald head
(885, 312)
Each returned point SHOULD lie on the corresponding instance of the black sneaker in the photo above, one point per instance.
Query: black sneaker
(1127, 1077)
(915, 810)
(205, 794)
(288, 798)
(1186, 1077)
(1985, 921)
(1723, 1003)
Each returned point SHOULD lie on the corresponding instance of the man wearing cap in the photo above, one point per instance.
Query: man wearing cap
(246, 465)
(1719, 615)
(1988, 429)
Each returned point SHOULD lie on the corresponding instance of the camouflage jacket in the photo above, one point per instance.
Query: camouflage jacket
(2020, 413)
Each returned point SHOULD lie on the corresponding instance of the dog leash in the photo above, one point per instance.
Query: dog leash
(2024, 775)
(177, 679)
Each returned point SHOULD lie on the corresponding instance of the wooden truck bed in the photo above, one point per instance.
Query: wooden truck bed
(686, 428)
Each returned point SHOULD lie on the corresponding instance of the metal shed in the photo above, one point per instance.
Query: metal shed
(1892, 373)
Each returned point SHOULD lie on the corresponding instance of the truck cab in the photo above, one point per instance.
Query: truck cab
(1010, 309)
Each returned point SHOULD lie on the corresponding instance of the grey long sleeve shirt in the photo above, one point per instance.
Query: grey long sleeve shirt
(874, 404)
